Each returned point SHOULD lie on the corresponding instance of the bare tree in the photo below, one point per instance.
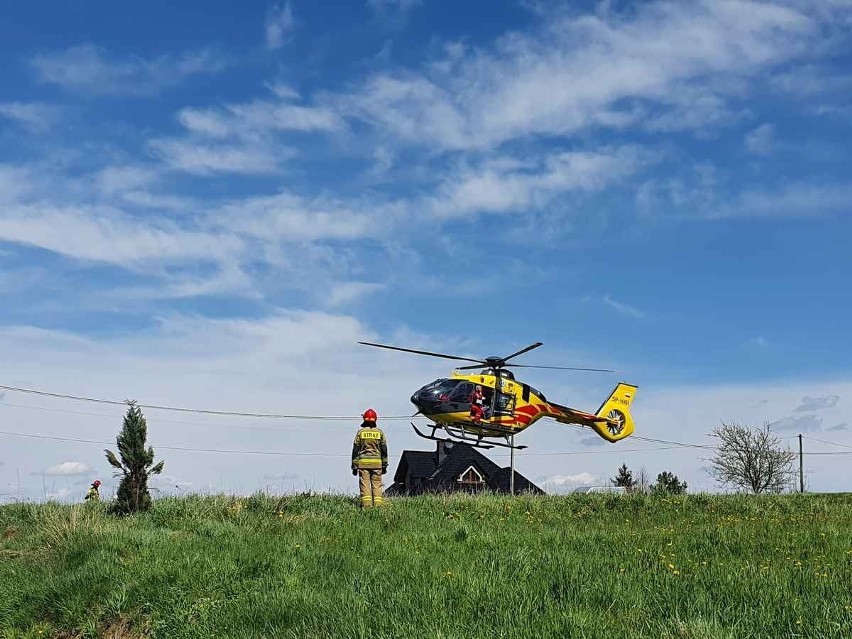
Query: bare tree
(750, 458)
(643, 481)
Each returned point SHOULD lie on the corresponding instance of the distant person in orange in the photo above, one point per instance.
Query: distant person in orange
(370, 460)
(477, 404)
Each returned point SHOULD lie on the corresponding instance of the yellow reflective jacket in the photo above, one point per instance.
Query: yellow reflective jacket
(93, 494)
(370, 449)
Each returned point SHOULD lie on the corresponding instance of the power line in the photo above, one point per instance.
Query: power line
(279, 429)
(709, 447)
(308, 454)
(180, 448)
(201, 411)
(667, 441)
(823, 441)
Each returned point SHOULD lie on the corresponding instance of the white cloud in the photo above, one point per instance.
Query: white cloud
(798, 423)
(243, 137)
(207, 159)
(791, 200)
(624, 309)
(565, 483)
(511, 185)
(249, 119)
(700, 196)
(16, 184)
(279, 25)
(108, 235)
(287, 217)
(393, 12)
(760, 140)
(32, 115)
(87, 69)
(117, 179)
(344, 293)
(817, 403)
(586, 71)
(68, 469)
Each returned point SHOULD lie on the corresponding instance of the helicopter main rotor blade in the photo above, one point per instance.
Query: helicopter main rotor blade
(430, 354)
(522, 351)
(562, 368)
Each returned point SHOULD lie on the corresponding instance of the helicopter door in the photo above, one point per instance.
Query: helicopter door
(505, 405)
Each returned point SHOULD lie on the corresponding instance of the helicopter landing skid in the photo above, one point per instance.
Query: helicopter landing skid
(462, 437)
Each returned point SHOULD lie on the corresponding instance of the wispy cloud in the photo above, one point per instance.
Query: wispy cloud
(510, 184)
(810, 404)
(279, 25)
(243, 138)
(791, 200)
(583, 72)
(109, 235)
(760, 140)
(259, 117)
(88, 69)
(798, 423)
(31, 115)
(699, 195)
(393, 12)
(624, 309)
(345, 293)
(203, 158)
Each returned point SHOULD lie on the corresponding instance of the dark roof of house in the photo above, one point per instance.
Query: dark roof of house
(522, 484)
(456, 460)
(459, 458)
(421, 463)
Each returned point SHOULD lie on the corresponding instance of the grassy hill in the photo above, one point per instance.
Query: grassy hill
(314, 566)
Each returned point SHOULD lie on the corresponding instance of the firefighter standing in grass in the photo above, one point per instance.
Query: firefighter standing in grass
(370, 459)
(94, 494)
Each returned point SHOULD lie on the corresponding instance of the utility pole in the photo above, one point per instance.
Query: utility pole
(512, 466)
(801, 467)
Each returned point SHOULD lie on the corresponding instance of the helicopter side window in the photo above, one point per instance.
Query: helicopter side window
(461, 393)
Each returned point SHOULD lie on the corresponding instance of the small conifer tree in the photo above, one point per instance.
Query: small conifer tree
(624, 478)
(136, 465)
(668, 484)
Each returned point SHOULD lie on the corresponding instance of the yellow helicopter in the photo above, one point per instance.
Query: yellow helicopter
(482, 408)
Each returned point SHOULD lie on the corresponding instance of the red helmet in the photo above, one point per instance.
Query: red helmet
(96, 483)
(370, 415)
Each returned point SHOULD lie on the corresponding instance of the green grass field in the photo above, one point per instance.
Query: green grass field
(314, 566)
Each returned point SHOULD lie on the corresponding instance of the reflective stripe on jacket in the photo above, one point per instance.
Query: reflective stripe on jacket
(370, 449)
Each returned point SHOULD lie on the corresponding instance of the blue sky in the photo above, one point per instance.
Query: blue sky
(214, 195)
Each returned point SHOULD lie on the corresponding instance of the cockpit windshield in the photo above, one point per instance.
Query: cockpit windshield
(439, 390)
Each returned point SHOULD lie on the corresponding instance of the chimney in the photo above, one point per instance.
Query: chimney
(443, 450)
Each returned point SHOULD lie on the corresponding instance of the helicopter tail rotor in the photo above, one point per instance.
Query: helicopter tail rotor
(617, 422)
